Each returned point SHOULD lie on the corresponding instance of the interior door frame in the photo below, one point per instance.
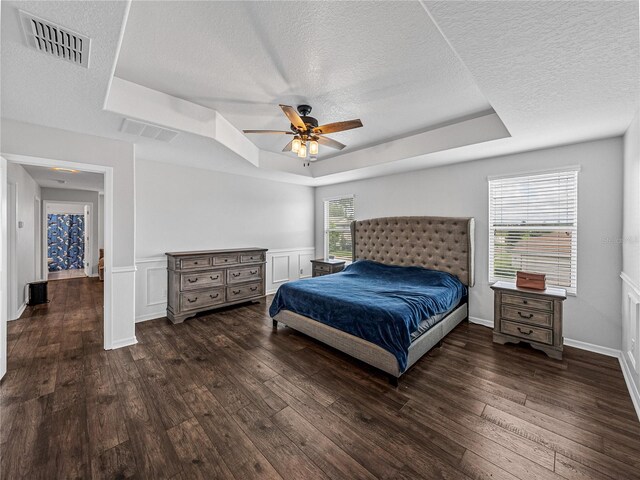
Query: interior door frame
(4, 308)
(37, 215)
(12, 256)
(88, 227)
(108, 229)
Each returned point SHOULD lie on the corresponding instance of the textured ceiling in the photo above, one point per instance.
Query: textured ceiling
(555, 73)
(48, 178)
(557, 70)
(383, 62)
(38, 88)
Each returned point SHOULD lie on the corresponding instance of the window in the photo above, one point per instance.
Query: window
(533, 226)
(338, 214)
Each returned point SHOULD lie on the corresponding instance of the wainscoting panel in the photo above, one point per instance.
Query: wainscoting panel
(630, 356)
(151, 288)
(286, 265)
(283, 265)
(122, 328)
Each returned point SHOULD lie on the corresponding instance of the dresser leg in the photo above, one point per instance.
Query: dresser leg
(275, 324)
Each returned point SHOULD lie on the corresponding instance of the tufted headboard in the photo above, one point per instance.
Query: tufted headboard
(437, 243)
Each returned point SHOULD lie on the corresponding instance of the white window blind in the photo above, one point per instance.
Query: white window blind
(338, 215)
(533, 226)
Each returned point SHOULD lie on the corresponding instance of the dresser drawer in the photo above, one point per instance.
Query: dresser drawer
(244, 291)
(201, 298)
(527, 332)
(528, 302)
(527, 316)
(225, 259)
(244, 274)
(322, 268)
(195, 262)
(252, 257)
(190, 281)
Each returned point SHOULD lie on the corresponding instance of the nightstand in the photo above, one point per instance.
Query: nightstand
(322, 266)
(531, 316)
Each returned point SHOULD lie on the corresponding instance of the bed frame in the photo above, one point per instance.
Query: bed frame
(437, 243)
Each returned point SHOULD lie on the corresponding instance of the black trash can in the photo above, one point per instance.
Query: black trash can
(38, 293)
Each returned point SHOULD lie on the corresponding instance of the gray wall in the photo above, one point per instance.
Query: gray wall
(25, 262)
(84, 196)
(631, 260)
(594, 315)
(180, 208)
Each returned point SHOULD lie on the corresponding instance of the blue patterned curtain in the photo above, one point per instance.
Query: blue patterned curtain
(66, 242)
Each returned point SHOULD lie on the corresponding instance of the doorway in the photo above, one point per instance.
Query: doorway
(106, 290)
(68, 240)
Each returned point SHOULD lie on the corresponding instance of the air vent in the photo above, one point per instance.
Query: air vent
(141, 129)
(60, 42)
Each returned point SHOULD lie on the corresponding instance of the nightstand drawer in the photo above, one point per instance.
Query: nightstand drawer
(527, 332)
(322, 268)
(528, 302)
(527, 316)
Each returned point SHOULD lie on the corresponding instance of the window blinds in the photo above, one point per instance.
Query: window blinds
(338, 215)
(533, 226)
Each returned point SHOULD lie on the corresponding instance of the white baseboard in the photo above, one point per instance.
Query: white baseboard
(590, 347)
(150, 316)
(631, 385)
(19, 313)
(124, 343)
(481, 321)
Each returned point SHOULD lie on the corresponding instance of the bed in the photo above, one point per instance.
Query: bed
(419, 307)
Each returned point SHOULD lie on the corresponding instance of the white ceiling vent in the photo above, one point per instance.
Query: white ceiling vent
(47, 37)
(141, 129)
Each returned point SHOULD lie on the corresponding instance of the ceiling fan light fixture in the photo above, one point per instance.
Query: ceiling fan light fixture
(295, 145)
(302, 151)
(313, 147)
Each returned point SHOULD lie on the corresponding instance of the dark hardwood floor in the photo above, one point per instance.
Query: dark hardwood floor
(222, 396)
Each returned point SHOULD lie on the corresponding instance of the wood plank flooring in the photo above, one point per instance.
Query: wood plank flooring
(222, 396)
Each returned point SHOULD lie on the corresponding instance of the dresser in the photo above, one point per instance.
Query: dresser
(209, 279)
(531, 316)
(321, 266)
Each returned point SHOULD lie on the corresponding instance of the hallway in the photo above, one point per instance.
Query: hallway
(55, 358)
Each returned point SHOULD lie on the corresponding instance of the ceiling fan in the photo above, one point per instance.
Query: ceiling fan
(307, 133)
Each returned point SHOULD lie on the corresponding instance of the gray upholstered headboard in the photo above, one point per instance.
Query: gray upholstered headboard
(438, 243)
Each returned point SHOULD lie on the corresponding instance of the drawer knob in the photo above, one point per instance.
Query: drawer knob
(525, 333)
(253, 289)
(236, 292)
(253, 272)
(191, 301)
(226, 259)
(214, 296)
(525, 316)
(195, 263)
(236, 274)
(192, 280)
(214, 278)
(525, 302)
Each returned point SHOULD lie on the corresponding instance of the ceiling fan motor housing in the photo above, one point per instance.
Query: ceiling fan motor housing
(304, 111)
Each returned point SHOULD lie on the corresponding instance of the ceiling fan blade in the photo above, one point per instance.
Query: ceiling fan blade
(328, 142)
(293, 117)
(337, 126)
(287, 147)
(282, 132)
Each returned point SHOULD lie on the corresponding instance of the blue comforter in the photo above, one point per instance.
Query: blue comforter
(380, 303)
